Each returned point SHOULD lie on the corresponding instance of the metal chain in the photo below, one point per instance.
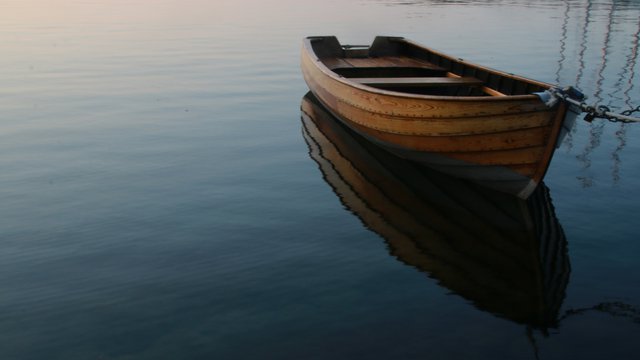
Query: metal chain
(601, 111)
(631, 111)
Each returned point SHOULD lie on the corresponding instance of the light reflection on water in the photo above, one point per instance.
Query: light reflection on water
(158, 200)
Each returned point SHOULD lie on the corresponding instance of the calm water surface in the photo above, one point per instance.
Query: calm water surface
(164, 197)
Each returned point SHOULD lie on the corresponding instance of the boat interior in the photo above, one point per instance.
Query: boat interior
(395, 64)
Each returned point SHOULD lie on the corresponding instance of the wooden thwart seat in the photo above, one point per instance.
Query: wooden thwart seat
(418, 81)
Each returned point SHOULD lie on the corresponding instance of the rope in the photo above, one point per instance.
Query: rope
(593, 111)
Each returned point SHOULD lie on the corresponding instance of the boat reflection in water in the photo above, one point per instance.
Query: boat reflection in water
(506, 255)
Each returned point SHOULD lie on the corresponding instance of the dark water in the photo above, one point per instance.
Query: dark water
(162, 196)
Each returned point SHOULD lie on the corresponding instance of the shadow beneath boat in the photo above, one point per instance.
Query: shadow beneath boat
(506, 255)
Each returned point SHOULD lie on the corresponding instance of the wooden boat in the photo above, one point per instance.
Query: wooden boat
(506, 255)
(459, 118)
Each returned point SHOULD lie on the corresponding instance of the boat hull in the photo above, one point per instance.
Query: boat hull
(503, 142)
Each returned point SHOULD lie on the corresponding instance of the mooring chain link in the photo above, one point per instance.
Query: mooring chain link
(593, 112)
(604, 112)
(631, 111)
(599, 112)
